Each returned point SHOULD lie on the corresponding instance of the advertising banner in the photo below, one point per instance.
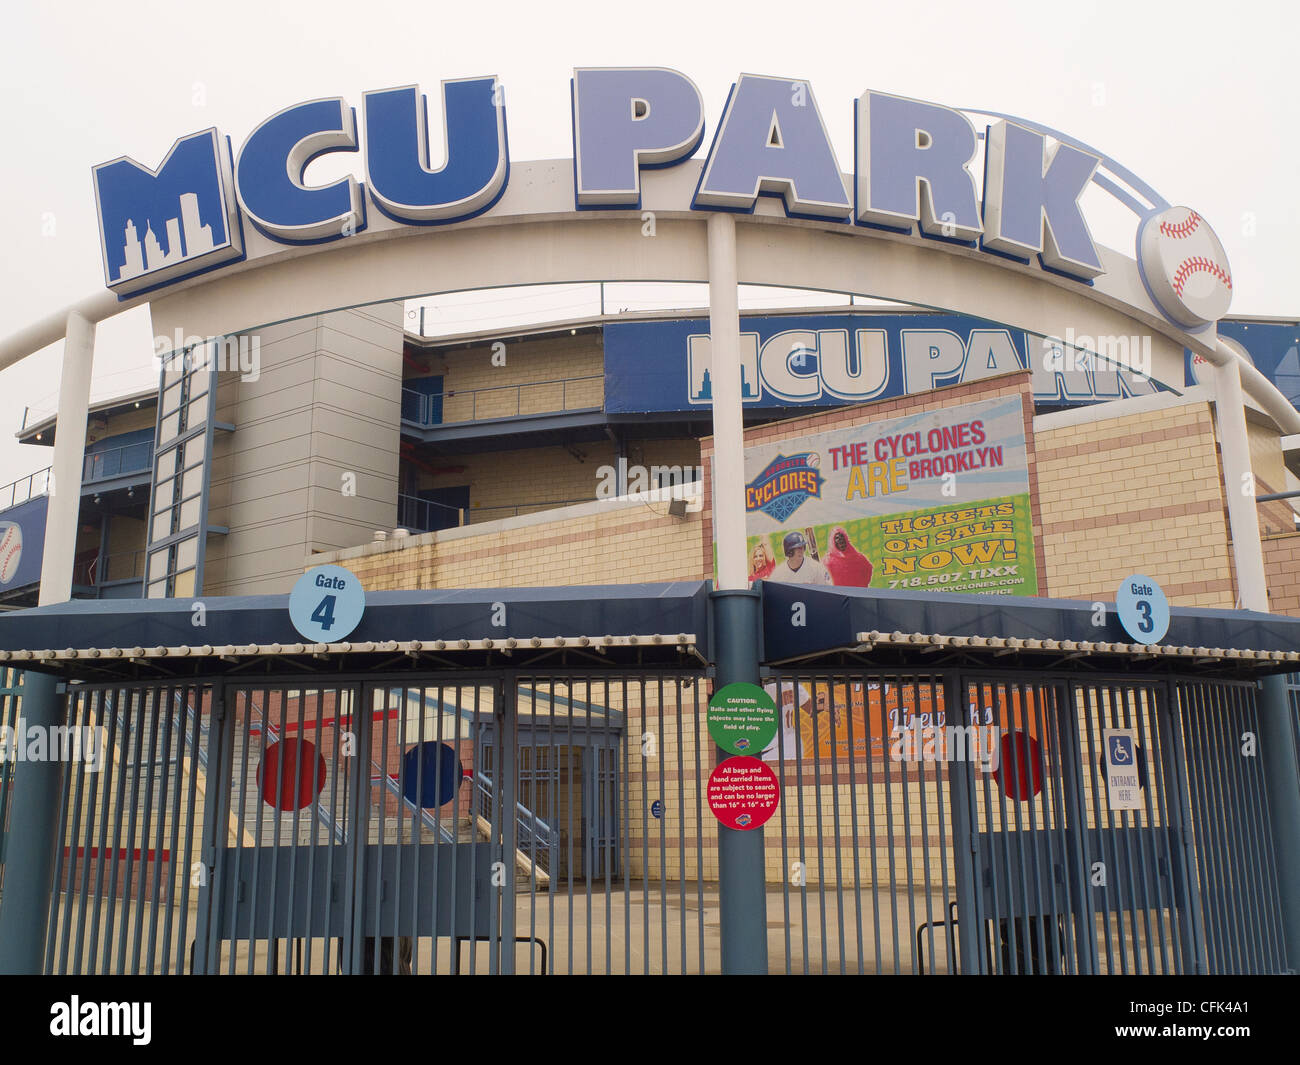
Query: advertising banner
(937, 501)
(833, 723)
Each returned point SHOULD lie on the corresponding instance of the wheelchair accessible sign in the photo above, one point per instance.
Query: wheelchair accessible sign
(326, 604)
(1123, 784)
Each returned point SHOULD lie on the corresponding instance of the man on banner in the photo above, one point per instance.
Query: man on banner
(798, 568)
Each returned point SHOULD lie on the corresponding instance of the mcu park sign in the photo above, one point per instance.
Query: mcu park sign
(914, 168)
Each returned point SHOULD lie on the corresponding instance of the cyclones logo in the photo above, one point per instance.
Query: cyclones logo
(785, 484)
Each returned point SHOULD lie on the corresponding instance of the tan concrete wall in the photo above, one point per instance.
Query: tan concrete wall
(323, 413)
(1282, 571)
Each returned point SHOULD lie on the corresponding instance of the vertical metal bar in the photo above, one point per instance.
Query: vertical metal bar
(813, 685)
(213, 901)
(800, 778)
(1108, 851)
(1258, 798)
(1018, 903)
(1153, 830)
(663, 830)
(781, 756)
(185, 799)
(78, 715)
(645, 842)
(1136, 901)
(943, 777)
(835, 710)
(899, 711)
(357, 867)
(1184, 770)
(1158, 766)
(698, 742)
(886, 743)
(855, 844)
(166, 785)
(679, 810)
(1247, 857)
(115, 770)
(1225, 953)
(83, 892)
(629, 737)
(927, 769)
(125, 853)
(480, 758)
(905, 793)
(1066, 711)
(145, 768)
(1261, 799)
(266, 725)
(1053, 812)
(510, 820)
(62, 841)
(1222, 805)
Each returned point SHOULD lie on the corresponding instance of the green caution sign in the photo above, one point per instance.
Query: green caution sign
(742, 719)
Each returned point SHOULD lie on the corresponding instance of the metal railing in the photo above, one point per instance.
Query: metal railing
(534, 834)
(117, 462)
(503, 401)
(418, 514)
(25, 488)
(121, 566)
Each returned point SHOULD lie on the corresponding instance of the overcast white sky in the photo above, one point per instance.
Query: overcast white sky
(1200, 99)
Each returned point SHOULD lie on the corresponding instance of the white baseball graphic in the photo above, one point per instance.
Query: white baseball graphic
(11, 550)
(1185, 267)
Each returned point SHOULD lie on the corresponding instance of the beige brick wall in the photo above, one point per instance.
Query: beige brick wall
(1282, 570)
(1136, 494)
(476, 388)
(614, 544)
(503, 482)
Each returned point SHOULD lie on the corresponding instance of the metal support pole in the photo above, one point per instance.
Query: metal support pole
(69, 458)
(1239, 487)
(1277, 748)
(742, 888)
(961, 787)
(737, 633)
(33, 838)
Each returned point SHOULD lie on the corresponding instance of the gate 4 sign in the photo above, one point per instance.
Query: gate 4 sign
(1123, 786)
(326, 604)
(743, 793)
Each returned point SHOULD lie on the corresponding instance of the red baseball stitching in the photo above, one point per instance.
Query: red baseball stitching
(1199, 265)
(1182, 229)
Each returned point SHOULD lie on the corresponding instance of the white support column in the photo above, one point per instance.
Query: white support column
(728, 417)
(69, 458)
(1243, 517)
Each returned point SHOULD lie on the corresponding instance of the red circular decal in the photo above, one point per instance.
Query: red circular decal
(284, 763)
(1021, 757)
(743, 792)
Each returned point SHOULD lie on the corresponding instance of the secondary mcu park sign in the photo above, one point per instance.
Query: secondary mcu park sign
(915, 166)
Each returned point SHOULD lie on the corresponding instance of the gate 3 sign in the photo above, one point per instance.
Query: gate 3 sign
(937, 500)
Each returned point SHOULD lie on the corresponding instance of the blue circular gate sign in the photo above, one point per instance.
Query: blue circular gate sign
(1143, 609)
(326, 604)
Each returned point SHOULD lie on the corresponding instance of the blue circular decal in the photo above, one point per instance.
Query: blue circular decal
(657, 808)
(1143, 609)
(326, 604)
(432, 772)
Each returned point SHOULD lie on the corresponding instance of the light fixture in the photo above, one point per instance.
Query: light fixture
(38, 436)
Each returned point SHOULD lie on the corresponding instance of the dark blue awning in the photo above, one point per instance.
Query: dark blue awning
(802, 621)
